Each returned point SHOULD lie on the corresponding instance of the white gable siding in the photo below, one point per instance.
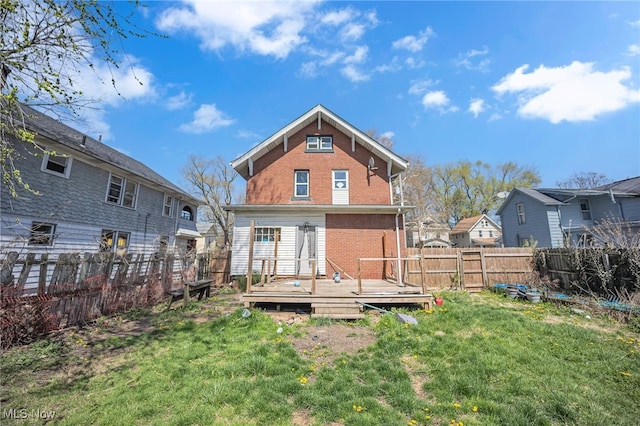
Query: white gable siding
(286, 246)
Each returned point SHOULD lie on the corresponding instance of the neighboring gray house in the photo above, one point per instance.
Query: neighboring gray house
(562, 217)
(92, 198)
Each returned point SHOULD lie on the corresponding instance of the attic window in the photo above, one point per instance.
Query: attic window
(56, 164)
(319, 143)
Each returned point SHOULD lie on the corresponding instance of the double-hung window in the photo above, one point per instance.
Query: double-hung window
(521, 217)
(167, 210)
(267, 234)
(585, 209)
(301, 183)
(319, 143)
(114, 240)
(122, 191)
(59, 165)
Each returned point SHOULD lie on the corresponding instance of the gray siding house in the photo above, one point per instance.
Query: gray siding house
(91, 198)
(563, 217)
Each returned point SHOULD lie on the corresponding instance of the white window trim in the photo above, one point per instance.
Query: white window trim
(522, 218)
(587, 210)
(296, 184)
(35, 234)
(319, 143)
(67, 168)
(123, 189)
(165, 205)
(333, 180)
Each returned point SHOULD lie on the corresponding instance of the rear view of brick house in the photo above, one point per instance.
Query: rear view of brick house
(321, 189)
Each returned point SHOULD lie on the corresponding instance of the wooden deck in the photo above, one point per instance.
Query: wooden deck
(337, 300)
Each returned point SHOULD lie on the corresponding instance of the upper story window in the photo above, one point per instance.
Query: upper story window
(186, 213)
(319, 143)
(585, 209)
(59, 165)
(340, 179)
(301, 183)
(122, 191)
(42, 234)
(521, 216)
(480, 234)
(267, 234)
(167, 209)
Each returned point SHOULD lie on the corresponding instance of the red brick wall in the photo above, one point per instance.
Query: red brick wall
(272, 182)
(352, 236)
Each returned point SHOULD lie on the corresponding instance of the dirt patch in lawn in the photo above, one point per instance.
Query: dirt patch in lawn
(323, 344)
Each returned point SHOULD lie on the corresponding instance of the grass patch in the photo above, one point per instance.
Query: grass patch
(476, 360)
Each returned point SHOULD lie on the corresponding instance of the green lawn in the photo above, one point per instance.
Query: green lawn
(477, 360)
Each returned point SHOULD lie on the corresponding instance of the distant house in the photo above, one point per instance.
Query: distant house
(553, 217)
(319, 189)
(477, 231)
(428, 233)
(92, 198)
(209, 235)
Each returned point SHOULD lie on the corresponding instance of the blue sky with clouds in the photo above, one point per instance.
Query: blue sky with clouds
(552, 85)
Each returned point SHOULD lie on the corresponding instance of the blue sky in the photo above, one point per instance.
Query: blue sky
(551, 85)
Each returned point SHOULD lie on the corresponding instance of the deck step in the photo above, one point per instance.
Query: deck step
(358, 315)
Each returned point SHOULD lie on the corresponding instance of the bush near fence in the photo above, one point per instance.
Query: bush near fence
(598, 271)
(35, 300)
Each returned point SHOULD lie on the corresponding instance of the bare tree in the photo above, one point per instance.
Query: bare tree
(213, 181)
(45, 43)
(384, 139)
(584, 180)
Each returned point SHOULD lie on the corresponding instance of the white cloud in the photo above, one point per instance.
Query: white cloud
(338, 17)
(572, 93)
(633, 50)
(392, 66)
(266, 28)
(413, 43)
(178, 101)
(387, 135)
(358, 56)
(438, 100)
(414, 63)
(466, 60)
(352, 31)
(418, 87)
(207, 118)
(476, 106)
(635, 24)
(353, 74)
(131, 83)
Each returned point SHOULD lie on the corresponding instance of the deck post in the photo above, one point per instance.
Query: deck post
(313, 276)
(423, 272)
(359, 279)
(262, 272)
(252, 230)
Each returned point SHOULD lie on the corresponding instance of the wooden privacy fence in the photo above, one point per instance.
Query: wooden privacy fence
(467, 268)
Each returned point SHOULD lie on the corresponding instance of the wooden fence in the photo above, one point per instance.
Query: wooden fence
(467, 268)
(602, 271)
(73, 289)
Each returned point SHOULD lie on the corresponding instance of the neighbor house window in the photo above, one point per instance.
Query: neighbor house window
(41, 234)
(301, 183)
(480, 234)
(122, 191)
(167, 210)
(521, 217)
(319, 143)
(114, 240)
(56, 164)
(266, 234)
(186, 213)
(585, 209)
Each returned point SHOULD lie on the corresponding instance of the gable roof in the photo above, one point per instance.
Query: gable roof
(49, 128)
(533, 193)
(555, 196)
(466, 225)
(395, 163)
